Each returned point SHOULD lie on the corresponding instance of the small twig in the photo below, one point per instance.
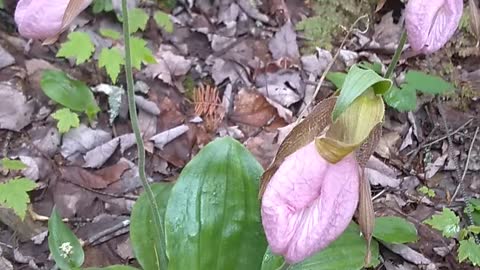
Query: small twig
(441, 138)
(379, 194)
(325, 72)
(416, 150)
(120, 196)
(6, 245)
(466, 165)
(460, 186)
(110, 230)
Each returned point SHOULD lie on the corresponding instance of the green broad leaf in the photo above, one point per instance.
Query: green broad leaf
(272, 261)
(213, 214)
(346, 253)
(140, 53)
(73, 94)
(163, 21)
(394, 230)
(110, 33)
(428, 84)
(337, 78)
(475, 207)
(358, 81)
(142, 231)
(2, 5)
(63, 244)
(113, 267)
(447, 222)
(137, 19)
(402, 100)
(79, 46)
(112, 59)
(13, 195)
(470, 251)
(12, 165)
(427, 191)
(475, 229)
(476, 218)
(377, 67)
(475, 203)
(102, 6)
(66, 120)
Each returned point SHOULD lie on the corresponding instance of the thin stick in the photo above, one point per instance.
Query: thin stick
(325, 72)
(466, 165)
(93, 240)
(157, 222)
(441, 138)
(451, 156)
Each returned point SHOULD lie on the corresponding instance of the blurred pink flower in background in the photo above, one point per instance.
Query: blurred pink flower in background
(431, 23)
(42, 19)
(308, 203)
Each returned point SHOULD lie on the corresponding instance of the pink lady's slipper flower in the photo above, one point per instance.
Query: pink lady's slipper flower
(309, 202)
(310, 193)
(42, 19)
(431, 23)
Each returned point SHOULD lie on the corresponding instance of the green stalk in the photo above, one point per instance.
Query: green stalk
(396, 56)
(132, 108)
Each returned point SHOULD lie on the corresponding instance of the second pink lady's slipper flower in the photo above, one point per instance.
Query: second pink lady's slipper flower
(45, 19)
(309, 203)
(309, 198)
(430, 24)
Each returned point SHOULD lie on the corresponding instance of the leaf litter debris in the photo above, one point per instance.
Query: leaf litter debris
(243, 70)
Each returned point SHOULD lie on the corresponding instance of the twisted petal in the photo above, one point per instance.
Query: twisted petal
(308, 203)
(41, 19)
(430, 24)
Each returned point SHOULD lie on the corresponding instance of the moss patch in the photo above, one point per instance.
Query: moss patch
(329, 15)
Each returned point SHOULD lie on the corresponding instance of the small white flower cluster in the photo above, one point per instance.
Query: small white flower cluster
(66, 249)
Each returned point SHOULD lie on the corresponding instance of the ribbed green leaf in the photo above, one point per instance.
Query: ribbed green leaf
(142, 232)
(213, 214)
(113, 267)
(428, 84)
(73, 94)
(358, 81)
(346, 253)
(337, 78)
(63, 244)
(394, 230)
(403, 100)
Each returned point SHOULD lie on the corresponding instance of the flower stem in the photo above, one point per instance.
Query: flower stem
(396, 56)
(132, 108)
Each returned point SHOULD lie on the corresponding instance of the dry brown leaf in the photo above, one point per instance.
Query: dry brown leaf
(251, 108)
(94, 180)
(368, 147)
(366, 215)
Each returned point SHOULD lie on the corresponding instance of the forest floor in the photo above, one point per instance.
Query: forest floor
(230, 68)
